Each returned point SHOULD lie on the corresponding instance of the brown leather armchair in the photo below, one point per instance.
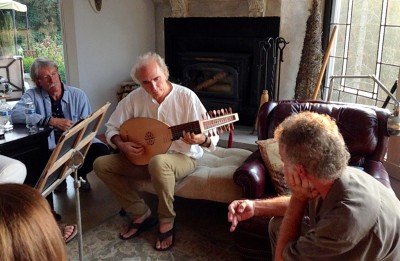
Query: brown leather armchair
(365, 134)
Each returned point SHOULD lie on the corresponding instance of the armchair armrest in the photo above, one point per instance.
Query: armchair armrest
(378, 171)
(251, 177)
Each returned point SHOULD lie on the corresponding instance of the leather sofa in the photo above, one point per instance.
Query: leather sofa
(365, 134)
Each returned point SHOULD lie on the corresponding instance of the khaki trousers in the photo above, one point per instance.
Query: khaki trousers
(164, 170)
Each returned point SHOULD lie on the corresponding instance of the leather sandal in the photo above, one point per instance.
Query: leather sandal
(141, 227)
(162, 236)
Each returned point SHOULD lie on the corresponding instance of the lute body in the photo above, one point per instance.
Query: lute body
(156, 137)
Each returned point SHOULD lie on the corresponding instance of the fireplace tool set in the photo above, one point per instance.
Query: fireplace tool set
(271, 53)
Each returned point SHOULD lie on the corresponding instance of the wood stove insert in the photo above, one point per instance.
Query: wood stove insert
(219, 58)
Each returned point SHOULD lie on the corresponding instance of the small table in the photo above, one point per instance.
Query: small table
(31, 149)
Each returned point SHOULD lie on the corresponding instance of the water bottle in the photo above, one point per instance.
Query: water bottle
(5, 116)
(29, 113)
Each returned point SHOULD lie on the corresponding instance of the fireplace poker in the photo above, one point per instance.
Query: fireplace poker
(274, 58)
(281, 45)
(264, 51)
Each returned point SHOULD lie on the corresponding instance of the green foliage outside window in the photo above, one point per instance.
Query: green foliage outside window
(6, 34)
(50, 48)
(37, 36)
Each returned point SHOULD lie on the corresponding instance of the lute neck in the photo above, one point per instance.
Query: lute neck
(198, 127)
(177, 131)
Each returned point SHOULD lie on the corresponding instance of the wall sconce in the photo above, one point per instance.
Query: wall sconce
(96, 5)
(393, 123)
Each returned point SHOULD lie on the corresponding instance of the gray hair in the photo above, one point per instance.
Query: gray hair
(143, 60)
(38, 64)
(313, 140)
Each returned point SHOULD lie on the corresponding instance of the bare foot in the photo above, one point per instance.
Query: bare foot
(166, 243)
(129, 232)
(68, 230)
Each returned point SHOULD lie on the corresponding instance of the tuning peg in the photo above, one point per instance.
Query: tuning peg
(215, 113)
(223, 111)
(226, 127)
(209, 115)
(220, 130)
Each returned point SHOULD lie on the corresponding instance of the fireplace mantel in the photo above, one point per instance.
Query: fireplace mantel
(180, 8)
(222, 8)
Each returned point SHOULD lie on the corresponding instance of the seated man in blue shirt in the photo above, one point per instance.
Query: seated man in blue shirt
(58, 106)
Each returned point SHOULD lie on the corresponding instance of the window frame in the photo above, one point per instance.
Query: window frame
(392, 159)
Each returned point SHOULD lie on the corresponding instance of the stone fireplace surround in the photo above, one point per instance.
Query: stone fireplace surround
(293, 16)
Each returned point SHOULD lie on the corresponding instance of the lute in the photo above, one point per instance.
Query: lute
(156, 136)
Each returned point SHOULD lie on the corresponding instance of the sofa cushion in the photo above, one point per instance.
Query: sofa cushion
(211, 180)
(270, 154)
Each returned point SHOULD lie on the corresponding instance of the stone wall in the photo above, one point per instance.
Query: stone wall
(293, 14)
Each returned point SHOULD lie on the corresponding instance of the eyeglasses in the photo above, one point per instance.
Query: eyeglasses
(48, 77)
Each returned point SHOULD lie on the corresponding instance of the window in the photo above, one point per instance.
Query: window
(33, 33)
(367, 43)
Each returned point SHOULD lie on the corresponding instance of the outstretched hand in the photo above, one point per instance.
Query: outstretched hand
(239, 210)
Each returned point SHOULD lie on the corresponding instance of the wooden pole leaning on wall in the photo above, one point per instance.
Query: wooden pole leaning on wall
(324, 63)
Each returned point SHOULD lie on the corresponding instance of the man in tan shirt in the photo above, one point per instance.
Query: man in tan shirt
(335, 212)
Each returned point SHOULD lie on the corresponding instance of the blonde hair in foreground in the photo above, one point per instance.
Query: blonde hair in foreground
(314, 141)
(27, 227)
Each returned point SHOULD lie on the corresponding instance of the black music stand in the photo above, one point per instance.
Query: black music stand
(68, 156)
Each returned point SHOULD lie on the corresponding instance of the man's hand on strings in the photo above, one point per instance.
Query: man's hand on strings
(192, 138)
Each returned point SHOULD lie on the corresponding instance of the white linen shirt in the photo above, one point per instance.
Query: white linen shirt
(180, 106)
